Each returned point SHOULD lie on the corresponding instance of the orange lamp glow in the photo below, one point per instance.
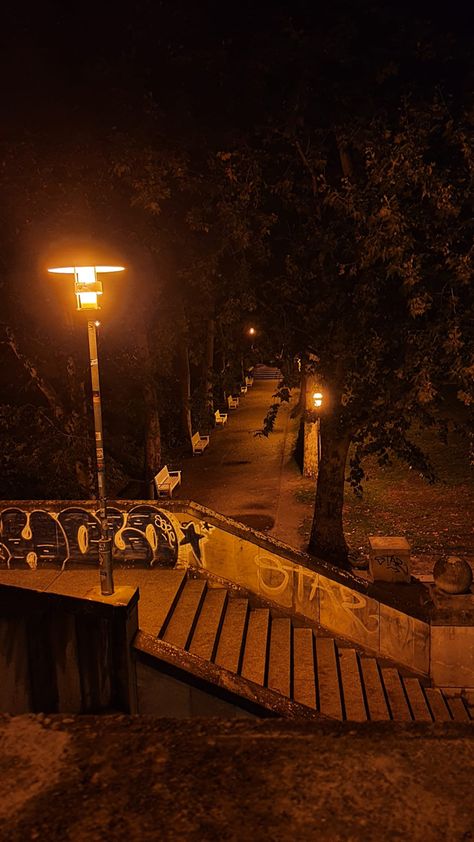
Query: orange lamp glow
(318, 399)
(87, 285)
(251, 331)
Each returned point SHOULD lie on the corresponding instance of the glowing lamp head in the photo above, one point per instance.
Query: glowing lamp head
(318, 399)
(87, 285)
(251, 331)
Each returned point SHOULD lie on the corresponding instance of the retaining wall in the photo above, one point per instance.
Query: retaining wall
(400, 622)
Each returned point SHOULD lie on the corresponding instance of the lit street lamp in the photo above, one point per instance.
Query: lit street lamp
(318, 398)
(252, 334)
(88, 287)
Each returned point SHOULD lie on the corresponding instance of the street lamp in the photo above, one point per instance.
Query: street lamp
(252, 333)
(318, 399)
(88, 287)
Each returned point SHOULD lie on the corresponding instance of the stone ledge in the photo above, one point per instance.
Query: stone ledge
(233, 686)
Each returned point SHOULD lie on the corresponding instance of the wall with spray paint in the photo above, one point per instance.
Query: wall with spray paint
(180, 533)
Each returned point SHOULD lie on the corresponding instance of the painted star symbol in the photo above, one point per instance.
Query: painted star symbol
(207, 527)
(192, 537)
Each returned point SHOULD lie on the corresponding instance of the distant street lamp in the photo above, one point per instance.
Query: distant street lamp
(88, 287)
(318, 399)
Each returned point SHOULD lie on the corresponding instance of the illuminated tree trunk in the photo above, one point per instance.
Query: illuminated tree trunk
(311, 431)
(311, 449)
(327, 534)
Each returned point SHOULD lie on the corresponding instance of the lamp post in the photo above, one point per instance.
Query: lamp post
(88, 287)
(318, 398)
(252, 334)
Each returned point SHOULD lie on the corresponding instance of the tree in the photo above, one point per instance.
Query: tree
(364, 171)
(374, 281)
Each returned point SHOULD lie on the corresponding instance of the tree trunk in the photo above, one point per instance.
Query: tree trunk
(184, 377)
(311, 431)
(78, 425)
(327, 534)
(152, 414)
(152, 435)
(207, 368)
(71, 422)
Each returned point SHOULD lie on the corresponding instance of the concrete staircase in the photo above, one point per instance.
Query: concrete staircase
(265, 372)
(217, 635)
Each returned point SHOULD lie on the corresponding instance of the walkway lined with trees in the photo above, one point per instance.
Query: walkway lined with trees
(252, 478)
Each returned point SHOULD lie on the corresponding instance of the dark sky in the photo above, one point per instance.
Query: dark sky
(74, 58)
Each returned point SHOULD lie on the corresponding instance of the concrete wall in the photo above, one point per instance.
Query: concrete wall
(166, 694)
(63, 654)
(393, 622)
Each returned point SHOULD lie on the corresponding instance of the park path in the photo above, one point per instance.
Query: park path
(251, 478)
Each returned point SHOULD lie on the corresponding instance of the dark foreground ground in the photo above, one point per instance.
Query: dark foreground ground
(138, 779)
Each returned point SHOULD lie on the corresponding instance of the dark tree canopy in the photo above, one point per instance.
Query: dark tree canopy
(309, 167)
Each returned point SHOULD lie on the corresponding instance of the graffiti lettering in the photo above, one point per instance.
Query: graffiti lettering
(273, 565)
(144, 536)
(392, 562)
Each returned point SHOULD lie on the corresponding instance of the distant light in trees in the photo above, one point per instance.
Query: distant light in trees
(318, 398)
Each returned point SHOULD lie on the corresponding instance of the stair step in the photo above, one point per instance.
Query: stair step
(203, 642)
(254, 660)
(417, 701)
(304, 677)
(158, 598)
(231, 637)
(294, 662)
(329, 690)
(458, 709)
(279, 663)
(396, 695)
(437, 703)
(374, 692)
(351, 686)
(181, 622)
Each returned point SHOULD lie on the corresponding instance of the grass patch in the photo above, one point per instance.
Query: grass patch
(437, 519)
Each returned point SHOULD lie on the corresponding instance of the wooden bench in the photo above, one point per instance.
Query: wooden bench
(166, 481)
(199, 443)
(243, 390)
(221, 417)
(249, 381)
(232, 402)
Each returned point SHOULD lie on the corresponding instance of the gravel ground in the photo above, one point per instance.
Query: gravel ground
(88, 779)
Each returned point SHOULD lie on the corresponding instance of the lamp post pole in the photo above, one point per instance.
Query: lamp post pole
(88, 288)
(105, 542)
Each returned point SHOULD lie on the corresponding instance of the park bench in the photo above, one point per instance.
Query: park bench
(243, 390)
(199, 443)
(221, 417)
(232, 402)
(166, 481)
(249, 381)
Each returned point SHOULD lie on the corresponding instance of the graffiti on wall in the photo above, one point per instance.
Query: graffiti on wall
(144, 536)
(277, 576)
